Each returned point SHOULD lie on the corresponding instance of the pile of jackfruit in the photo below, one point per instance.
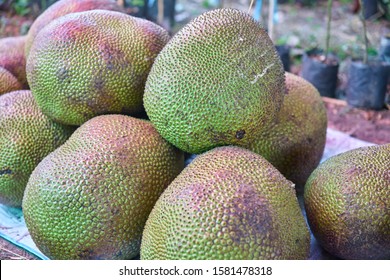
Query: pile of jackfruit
(119, 140)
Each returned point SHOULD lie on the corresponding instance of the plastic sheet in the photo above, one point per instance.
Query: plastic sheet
(370, 8)
(367, 84)
(13, 227)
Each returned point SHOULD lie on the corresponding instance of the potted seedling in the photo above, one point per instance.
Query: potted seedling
(282, 48)
(162, 12)
(370, 8)
(284, 51)
(135, 8)
(367, 80)
(321, 67)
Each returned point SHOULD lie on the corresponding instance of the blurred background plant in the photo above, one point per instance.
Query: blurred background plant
(21, 7)
(24, 7)
(300, 24)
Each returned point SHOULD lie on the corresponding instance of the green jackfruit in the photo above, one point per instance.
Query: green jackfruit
(228, 203)
(295, 142)
(219, 81)
(8, 82)
(64, 7)
(12, 57)
(26, 137)
(92, 63)
(90, 198)
(347, 201)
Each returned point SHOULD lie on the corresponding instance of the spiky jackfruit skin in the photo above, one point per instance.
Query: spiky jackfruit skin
(295, 142)
(218, 81)
(12, 57)
(228, 203)
(8, 82)
(90, 198)
(26, 137)
(64, 7)
(347, 202)
(91, 63)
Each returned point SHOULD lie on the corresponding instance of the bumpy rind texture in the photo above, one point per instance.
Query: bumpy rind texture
(8, 82)
(64, 7)
(92, 63)
(26, 137)
(347, 202)
(90, 198)
(12, 57)
(295, 142)
(228, 203)
(217, 82)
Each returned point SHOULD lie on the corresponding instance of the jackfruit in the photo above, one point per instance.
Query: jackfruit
(26, 137)
(347, 201)
(64, 7)
(8, 82)
(90, 198)
(93, 63)
(219, 81)
(12, 57)
(295, 142)
(228, 203)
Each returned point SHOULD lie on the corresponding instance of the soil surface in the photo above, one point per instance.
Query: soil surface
(368, 125)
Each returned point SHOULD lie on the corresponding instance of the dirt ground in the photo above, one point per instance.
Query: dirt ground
(368, 125)
(301, 28)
